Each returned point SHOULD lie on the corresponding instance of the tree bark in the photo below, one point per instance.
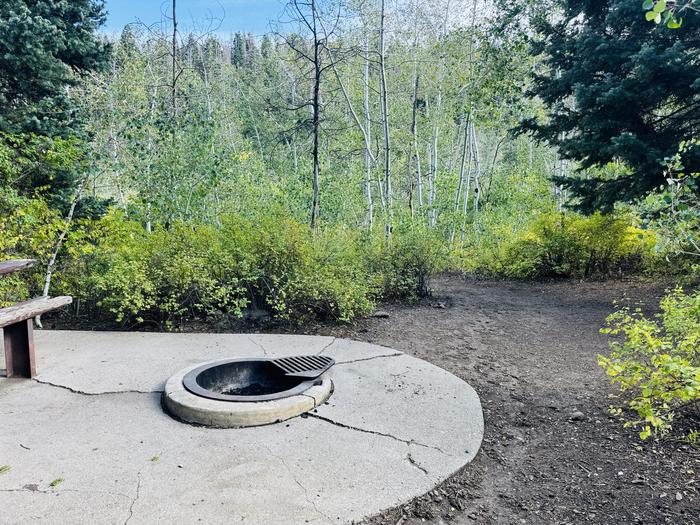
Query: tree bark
(369, 160)
(316, 116)
(388, 194)
(173, 86)
(477, 170)
(435, 157)
(414, 133)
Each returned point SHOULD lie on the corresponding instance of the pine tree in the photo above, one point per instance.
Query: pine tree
(617, 89)
(238, 53)
(252, 54)
(45, 45)
(266, 46)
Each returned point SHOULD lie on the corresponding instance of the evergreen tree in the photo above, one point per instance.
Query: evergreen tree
(266, 46)
(252, 53)
(618, 89)
(238, 52)
(45, 45)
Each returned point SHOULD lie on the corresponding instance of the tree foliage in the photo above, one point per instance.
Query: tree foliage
(212, 153)
(617, 91)
(45, 47)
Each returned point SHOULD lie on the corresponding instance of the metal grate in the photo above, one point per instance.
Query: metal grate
(307, 366)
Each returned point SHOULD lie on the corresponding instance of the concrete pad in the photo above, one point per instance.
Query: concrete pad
(97, 362)
(394, 427)
(419, 390)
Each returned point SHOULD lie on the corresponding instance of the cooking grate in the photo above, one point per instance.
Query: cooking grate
(306, 366)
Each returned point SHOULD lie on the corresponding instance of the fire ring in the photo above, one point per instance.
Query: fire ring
(244, 380)
(248, 392)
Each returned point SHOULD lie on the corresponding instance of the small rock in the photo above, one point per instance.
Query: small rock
(441, 306)
(679, 496)
(180, 466)
(577, 416)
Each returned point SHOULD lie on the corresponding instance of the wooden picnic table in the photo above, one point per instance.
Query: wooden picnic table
(17, 323)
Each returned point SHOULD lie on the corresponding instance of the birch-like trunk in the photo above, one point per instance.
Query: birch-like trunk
(477, 170)
(388, 194)
(59, 243)
(414, 133)
(434, 168)
(464, 178)
(173, 85)
(367, 134)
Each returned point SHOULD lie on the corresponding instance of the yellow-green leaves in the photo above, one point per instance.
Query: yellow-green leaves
(655, 362)
(659, 12)
(651, 15)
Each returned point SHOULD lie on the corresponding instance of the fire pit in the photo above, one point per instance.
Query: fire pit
(248, 392)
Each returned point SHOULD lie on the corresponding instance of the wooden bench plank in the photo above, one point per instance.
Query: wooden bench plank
(30, 309)
(15, 265)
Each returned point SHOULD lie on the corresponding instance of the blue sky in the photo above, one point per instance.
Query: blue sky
(239, 15)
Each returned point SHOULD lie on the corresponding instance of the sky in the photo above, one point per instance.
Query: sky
(250, 16)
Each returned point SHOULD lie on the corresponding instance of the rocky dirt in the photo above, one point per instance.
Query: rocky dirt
(551, 452)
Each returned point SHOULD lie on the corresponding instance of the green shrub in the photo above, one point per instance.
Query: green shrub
(28, 229)
(561, 244)
(300, 274)
(414, 254)
(189, 271)
(656, 362)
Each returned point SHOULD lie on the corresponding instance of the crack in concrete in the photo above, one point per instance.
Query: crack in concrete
(327, 346)
(377, 433)
(310, 501)
(369, 358)
(300, 485)
(134, 499)
(416, 464)
(259, 345)
(82, 393)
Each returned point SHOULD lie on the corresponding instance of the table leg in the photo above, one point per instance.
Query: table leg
(19, 349)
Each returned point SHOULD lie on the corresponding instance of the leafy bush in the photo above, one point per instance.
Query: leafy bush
(656, 362)
(28, 229)
(169, 276)
(300, 274)
(414, 254)
(562, 244)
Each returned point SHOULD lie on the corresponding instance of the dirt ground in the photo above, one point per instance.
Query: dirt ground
(529, 350)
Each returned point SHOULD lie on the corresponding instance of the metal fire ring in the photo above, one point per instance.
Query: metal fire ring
(190, 383)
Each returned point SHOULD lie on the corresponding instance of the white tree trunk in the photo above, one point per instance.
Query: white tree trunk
(59, 243)
(369, 159)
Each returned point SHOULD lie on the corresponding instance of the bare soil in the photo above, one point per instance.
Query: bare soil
(551, 452)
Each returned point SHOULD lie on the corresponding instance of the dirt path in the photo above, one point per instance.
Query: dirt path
(529, 350)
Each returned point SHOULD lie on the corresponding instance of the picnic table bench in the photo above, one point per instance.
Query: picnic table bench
(16, 322)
